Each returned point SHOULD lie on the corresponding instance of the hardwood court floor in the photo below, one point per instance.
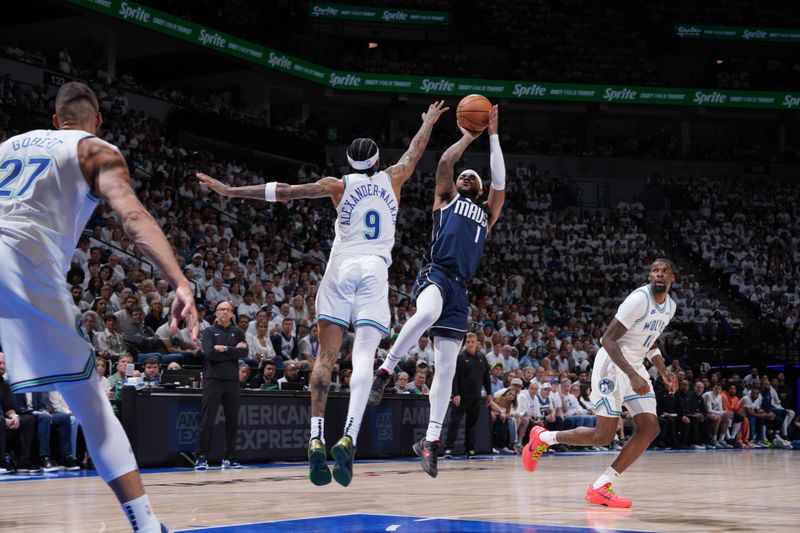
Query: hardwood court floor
(705, 491)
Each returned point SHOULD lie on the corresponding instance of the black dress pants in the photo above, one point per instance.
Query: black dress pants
(216, 392)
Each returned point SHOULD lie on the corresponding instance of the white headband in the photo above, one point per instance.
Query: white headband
(363, 165)
(470, 171)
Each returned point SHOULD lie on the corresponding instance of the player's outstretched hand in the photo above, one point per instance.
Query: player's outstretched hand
(213, 184)
(435, 110)
(183, 308)
(493, 120)
(472, 134)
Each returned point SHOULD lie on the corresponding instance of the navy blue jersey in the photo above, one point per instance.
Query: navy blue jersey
(459, 233)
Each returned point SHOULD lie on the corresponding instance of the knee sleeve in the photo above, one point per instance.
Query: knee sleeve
(106, 440)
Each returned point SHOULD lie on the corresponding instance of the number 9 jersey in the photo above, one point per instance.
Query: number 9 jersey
(355, 288)
(367, 215)
(45, 201)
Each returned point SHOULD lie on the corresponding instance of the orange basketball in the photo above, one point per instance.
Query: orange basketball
(472, 112)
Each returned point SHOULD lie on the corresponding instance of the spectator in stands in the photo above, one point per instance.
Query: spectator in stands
(718, 418)
(125, 315)
(122, 363)
(308, 347)
(152, 372)
(770, 403)
(419, 386)
(15, 426)
(260, 345)
(142, 342)
(217, 292)
(545, 410)
(668, 418)
(423, 351)
(401, 385)
(155, 314)
(268, 379)
(284, 341)
(55, 404)
(496, 378)
(759, 418)
(740, 430)
(291, 374)
(33, 403)
(504, 429)
(110, 344)
(244, 375)
(101, 365)
(690, 410)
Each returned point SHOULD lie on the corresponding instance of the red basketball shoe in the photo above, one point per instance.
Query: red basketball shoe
(534, 450)
(605, 495)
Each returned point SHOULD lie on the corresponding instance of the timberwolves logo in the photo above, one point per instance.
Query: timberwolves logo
(606, 386)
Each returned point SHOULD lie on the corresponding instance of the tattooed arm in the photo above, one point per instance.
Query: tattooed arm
(324, 188)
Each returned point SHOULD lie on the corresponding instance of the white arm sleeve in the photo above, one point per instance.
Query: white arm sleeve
(497, 163)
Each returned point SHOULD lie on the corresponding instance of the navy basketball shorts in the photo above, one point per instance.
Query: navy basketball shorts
(452, 321)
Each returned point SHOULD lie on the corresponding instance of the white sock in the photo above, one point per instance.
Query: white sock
(445, 351)
(318, 428)
(141, 515)
(429, 307)
(434, 431)
(609, 476)
(548, 437)
(364, 346)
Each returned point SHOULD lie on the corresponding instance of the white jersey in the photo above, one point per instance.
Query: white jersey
(367, 215)
(645, 320)
(45, 201)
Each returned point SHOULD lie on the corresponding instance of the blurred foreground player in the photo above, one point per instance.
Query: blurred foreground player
(52, 181)
(620, 378)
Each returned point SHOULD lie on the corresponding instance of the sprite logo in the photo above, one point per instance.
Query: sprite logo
(529, 90)
(690, 31)
(437, 86)
(214, 39)
(135, 13)
(716, 97)
(754, 34)
(348, 80)
(327, 11)
(394, 15)
(791, 101)
(278, 61)
(619, 94)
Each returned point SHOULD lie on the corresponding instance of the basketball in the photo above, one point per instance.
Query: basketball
(472, 112)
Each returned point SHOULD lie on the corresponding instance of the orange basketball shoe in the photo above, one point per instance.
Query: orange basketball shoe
(605, 495)
(534, 450)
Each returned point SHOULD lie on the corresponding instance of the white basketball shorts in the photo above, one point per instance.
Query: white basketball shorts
(611, 389)
(38, 325)
(355, 290)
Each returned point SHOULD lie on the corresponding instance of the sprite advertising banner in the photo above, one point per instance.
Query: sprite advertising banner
(733, 33)
(376, 14)
(230, 45)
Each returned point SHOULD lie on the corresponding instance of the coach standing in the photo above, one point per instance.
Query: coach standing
(472, 373)
(223, 346)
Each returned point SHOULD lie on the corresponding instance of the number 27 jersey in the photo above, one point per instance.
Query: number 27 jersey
(366, 217)
(45, 201)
